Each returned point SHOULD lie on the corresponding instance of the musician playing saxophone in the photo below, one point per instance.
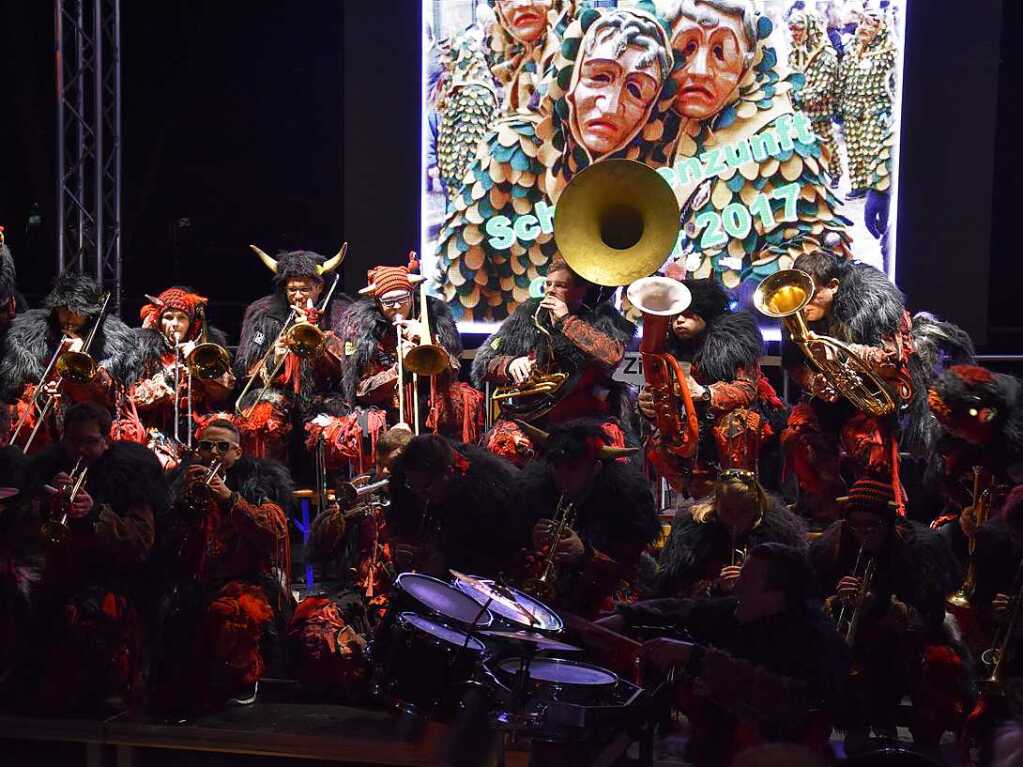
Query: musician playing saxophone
(733, 398)
(900, 644)
(858, 305)
(599, 559)
(585, 338)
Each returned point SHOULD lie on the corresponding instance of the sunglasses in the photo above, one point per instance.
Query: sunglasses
(395, 302)
(222, 446)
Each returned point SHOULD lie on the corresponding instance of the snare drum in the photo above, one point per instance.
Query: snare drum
(429, 596)
(510, 612)
(555, 680)
(425, 665)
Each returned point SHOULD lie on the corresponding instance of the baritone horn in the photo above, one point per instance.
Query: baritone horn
(207, 361)
(783, 296)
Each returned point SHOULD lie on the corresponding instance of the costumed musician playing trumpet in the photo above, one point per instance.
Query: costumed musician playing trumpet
(401, 368)
(70, 350)
(175, 385)
(226, 561)
(552, 361)
(290, 354)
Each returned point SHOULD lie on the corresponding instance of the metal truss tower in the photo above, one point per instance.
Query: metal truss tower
(88, 69)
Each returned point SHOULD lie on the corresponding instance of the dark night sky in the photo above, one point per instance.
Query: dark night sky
(232, 119)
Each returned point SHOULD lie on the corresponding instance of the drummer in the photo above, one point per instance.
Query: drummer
(453, 507)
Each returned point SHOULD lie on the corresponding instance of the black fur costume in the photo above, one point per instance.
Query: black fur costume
(152, 344)
(33, 336)
(518, 336)
(477, 529)
(616, 521)
(696, 551)
(9, 286)
(366, 327)
(265, 317)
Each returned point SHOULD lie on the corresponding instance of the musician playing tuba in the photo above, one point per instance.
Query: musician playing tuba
(38, 337)
(733, 399)
(568, 332)
(289, 355)
(165, 385)
(392, 303)
(859, 306)
(895, 599)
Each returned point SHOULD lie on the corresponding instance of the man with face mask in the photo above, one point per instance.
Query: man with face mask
(900, 643)
(370, 383)
(733, 398)
(827, 437)
(171, 329)
(69, 312)
(722, 110)
(586, 342)
(597, 560)
(100, 537)
(301, 387)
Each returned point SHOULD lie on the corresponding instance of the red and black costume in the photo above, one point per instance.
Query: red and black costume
(902, 645)
(370, 380)
(11, 301)
(225, 575)
(303, 387)
(616, 519)
(151, 395)
(587, 345)
(477, 528)
(778, 679)
(21, 564)
(736, 410)
(828, 442)
(34, 336)
(692, 559)
(90, 635)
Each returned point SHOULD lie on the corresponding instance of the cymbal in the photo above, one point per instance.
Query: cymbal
(492, 593)
(542, 643)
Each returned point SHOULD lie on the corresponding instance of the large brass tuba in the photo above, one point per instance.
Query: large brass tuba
(660, 299)
(783, 296)
(207, 361)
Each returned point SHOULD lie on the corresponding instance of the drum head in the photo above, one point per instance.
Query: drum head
(561, 672)
(439, 631)
(443, 599)
(544, 618)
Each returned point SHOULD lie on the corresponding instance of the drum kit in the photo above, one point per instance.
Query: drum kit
(440, 640)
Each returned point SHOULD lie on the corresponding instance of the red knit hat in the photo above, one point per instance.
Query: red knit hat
(389, 279)
(871, 496)
(178, 299)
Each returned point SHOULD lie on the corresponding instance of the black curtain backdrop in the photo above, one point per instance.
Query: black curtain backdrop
(949, 110)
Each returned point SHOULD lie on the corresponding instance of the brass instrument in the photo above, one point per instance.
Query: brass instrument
(783, 296)
(428, 358)
(998, 654)
(302, 338)
(77, 367)
(56, 531)
(848, 622)
(739, 555)
(349, 494)
(660, 299)
(542, 585)
(207, 361)
(981, 502)
(198, 493)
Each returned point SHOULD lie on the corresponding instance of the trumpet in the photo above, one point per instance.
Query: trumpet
(996, 656)
(56, 531)
(77, 367)
(199, 492)
(302, 338)
(349, 494)
(783, 296)
(981, 501)
(848, 622)
(542, 586)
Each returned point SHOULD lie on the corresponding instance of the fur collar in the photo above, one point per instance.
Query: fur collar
(731, 341)
(867, 306)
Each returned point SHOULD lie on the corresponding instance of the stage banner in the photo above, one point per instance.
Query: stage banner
(775, 122)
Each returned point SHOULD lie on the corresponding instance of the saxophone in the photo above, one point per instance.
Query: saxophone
(541, 585)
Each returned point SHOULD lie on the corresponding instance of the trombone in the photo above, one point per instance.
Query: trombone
(424, 359)
(207, 362)
(302, 338)
(77, 367)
